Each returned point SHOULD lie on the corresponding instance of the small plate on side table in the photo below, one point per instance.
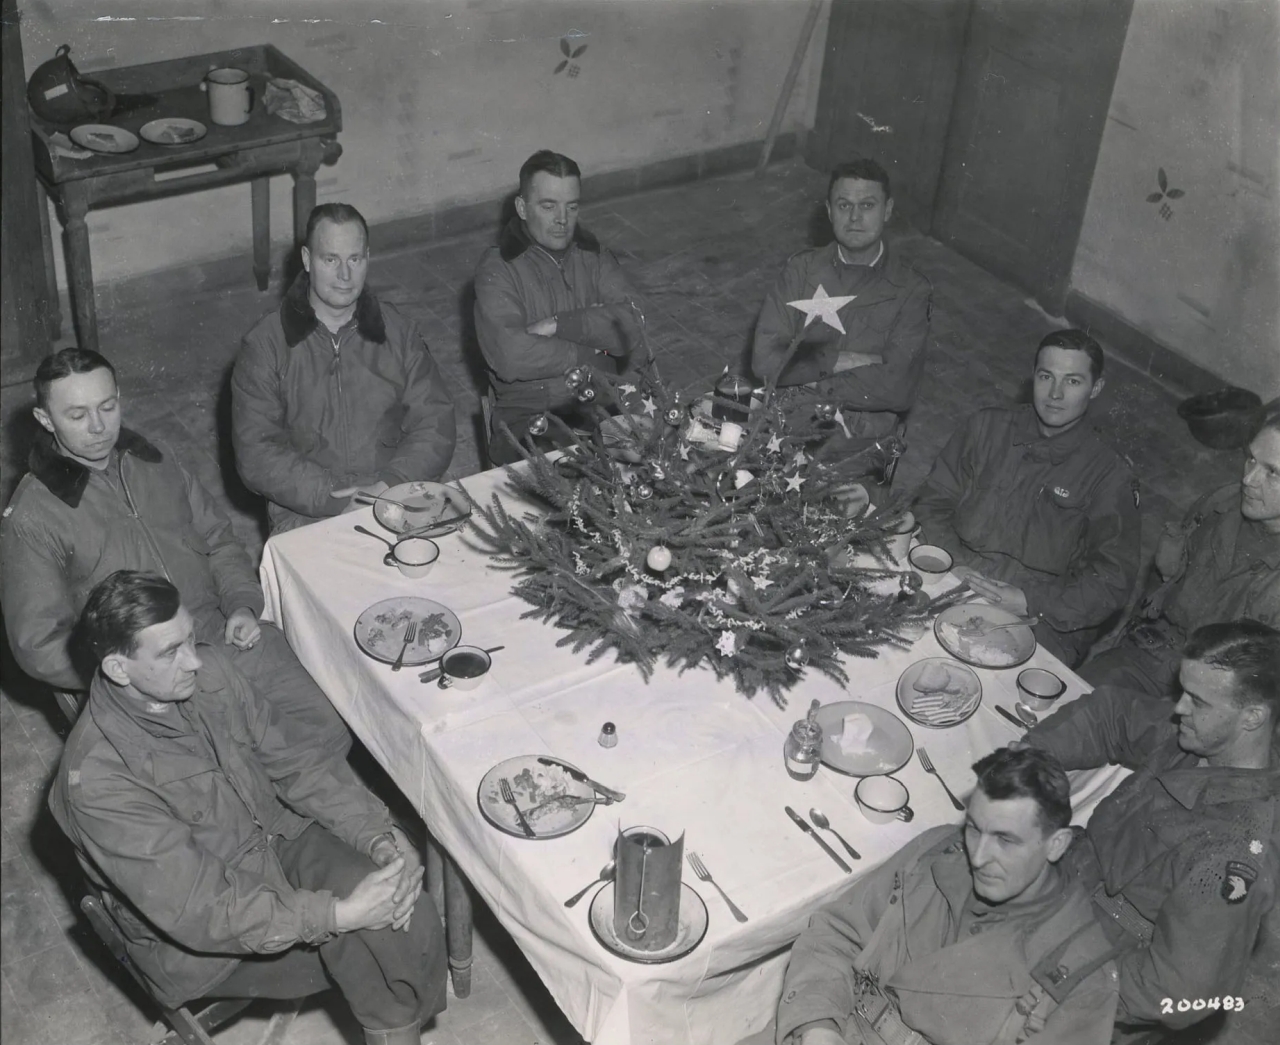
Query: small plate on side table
(103, 137)
(172, 130)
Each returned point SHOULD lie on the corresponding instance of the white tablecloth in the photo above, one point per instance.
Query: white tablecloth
(693, 755)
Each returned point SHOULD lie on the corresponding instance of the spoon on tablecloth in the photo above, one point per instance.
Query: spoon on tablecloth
(376, 536)
(606, 875)
(819, 819)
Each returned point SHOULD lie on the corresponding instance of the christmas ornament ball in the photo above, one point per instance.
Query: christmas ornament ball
(586, 394)
(659, 558)
(644, 491)
(796, 657)
(825, 411)
(576, 378)
(538, 426)
(673, 416)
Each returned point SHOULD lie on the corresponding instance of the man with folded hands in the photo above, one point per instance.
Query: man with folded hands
(1039, 513)
(237, 859)
(967, 934)
(99, 497)
(549, 298)
(335, 394)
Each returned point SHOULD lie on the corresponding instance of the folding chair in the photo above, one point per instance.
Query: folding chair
(188, 1027)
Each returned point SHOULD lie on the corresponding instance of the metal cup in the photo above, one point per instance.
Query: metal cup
(230, 96)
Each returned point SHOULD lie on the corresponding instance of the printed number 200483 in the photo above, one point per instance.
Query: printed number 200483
(1227, 1004)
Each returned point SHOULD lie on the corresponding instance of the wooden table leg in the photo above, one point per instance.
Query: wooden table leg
(260, 192)
(311, 155)
(53, 310)
(75, 207)
(457, 902)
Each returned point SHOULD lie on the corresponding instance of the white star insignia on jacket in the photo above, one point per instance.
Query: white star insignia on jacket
(823, 306)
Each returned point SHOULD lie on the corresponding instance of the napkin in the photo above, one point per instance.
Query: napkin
(293, 101)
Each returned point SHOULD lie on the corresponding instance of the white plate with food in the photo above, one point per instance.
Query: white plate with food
(102, 137)
(863, 739)
(413, 506)
(937, 692)
(381, 628)
(969, 633)
(625, 435)
(553, 803)
(172, 130)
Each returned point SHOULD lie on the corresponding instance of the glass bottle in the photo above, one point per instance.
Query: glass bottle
(803, 749)
(737, 389)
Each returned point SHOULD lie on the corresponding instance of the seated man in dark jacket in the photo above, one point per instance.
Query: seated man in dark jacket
(335, 393)
(549, 298)
(100, 498)
(966, 935)
(1039, 513)
(237, 859)
(1184, 856)
(1221, 562)
(868, 357)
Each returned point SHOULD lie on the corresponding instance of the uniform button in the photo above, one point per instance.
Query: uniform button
(974, 930)
(790, 995)
(198, 815)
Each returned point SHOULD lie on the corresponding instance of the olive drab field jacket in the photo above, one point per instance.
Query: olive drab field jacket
(172, 814)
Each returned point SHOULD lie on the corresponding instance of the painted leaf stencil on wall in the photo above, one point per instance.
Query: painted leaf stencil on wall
(570, 53)
(1164, 195)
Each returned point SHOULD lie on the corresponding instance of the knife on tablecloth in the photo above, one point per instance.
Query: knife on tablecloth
(582, 778)
(1011, 717)
(803, 824)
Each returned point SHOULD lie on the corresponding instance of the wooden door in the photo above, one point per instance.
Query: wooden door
(886, 93)
(1034, 89)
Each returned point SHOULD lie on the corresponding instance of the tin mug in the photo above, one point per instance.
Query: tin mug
(230, 96)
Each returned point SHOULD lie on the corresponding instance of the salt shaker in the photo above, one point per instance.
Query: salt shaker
(803, 749)
(736, 389)
(608, 735)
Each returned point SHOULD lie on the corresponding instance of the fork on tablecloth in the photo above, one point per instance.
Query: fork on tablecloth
(504, 786)
(410, 633)
(700, 869)
(928, 768)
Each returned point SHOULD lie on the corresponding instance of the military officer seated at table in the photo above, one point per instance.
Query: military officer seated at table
(1221, 561)
(967, 934)
(870, 358)
(237, 859)
(549, 298)
(99, 497)
(335, 394)
(1039, 513)
(1183, 858)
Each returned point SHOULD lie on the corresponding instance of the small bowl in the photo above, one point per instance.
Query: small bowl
(881, 798)
(1038, 688)
(930, 560)
(464, 667)
(413, 556)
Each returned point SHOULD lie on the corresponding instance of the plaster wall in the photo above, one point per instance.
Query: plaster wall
(1193, 261)
(443, 99)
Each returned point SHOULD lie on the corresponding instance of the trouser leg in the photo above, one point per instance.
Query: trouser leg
(279, 678)
(295, 974)
(1132, 667)
(389, 978)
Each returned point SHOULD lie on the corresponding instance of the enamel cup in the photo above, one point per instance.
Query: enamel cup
(230, 96)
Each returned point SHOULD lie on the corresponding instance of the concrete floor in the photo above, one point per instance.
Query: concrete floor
(704, 255)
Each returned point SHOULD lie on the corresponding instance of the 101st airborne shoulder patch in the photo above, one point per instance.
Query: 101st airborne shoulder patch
(1237, 881)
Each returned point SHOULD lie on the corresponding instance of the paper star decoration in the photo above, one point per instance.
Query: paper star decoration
(823, 306)
(799, 459)
(626, 390)
(794, 482)
(762, 582)
(775, 444)
(650, 407)
(727, 643)
(684, 451)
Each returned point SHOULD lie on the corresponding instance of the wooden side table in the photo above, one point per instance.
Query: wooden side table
(253, 152)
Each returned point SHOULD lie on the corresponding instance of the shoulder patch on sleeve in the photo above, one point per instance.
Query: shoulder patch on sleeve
(1237, 880)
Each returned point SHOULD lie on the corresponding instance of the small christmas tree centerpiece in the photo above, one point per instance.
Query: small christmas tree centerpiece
(724, 538)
